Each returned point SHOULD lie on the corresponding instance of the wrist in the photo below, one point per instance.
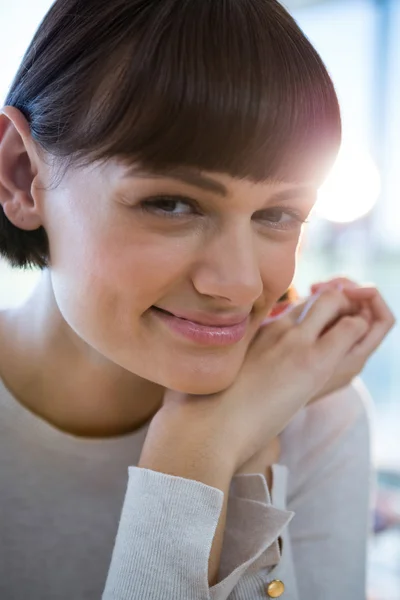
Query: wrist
(178, 445)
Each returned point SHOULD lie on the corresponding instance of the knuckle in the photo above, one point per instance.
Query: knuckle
(355, 324)
(335, 296)
(348, 323)
(347, 320)
(349, 282)
(335, 300)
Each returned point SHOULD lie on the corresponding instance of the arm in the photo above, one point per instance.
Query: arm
(327, 451)
(173, 521)
(198, 456)
(169, 520)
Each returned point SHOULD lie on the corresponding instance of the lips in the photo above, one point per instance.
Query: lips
(200, 328)
(211, 320)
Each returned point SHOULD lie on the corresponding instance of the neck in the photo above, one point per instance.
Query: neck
(56, 375)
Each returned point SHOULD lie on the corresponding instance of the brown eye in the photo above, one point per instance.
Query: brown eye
(169, 207)
(280, 218)
(275, 216)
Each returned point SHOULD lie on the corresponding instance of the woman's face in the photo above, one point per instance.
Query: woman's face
(170, 275)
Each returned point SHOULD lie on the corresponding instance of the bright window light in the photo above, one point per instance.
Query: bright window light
(351, 189)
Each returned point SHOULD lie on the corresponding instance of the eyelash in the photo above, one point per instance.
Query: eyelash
(150, 206)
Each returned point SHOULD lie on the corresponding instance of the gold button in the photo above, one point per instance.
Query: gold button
(275, 589)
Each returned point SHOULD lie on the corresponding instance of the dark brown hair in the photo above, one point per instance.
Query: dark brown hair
(231, 86)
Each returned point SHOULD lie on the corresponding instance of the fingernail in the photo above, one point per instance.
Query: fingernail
(319, 287)
(316, 286)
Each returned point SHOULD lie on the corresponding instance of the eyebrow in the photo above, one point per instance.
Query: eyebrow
(198, 179)
(188, 176)
(300, 192)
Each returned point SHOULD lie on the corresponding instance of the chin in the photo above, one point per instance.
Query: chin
(201, 382)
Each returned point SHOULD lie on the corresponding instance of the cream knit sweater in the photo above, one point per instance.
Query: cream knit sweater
(79, 521)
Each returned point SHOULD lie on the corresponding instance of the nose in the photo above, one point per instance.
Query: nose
(229, 266)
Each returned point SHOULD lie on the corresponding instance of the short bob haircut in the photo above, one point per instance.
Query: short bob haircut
(230, 86)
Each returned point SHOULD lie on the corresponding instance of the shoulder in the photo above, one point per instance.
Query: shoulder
(337, 412)
(333, 431)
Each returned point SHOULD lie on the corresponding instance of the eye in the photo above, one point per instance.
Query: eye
(281, 218)
(170, 206)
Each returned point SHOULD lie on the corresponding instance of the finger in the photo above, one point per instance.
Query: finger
(362, 296)
(359, 305)
(323, 310)
(379, 308)
(305, 308)
(344, 282)
(366, 312)
(351, 289)
(382, 322)
(282, 322)
(340, 339)
(295, 313)
(361, 292)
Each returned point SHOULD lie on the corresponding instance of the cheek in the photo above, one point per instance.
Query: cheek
(99, 249)
(278, 269)
(106, 282)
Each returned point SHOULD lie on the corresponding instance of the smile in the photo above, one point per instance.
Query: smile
(202, 333)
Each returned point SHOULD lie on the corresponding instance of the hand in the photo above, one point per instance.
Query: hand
(380, 319)
(287, 364)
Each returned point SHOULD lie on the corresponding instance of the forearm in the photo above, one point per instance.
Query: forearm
(173, 448)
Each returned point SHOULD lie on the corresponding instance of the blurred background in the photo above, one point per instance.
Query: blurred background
(355, 230)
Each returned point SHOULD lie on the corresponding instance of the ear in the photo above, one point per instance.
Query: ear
(19, 162)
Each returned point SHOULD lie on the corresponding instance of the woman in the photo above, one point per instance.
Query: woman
(157, 161)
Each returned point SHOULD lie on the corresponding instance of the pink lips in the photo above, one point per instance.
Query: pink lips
(211, 331)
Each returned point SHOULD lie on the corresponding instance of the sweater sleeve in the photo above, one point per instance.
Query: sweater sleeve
(327, 452)
(166, 531)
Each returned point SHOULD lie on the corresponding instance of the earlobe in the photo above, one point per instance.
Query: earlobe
(21, 213)
(17, 170)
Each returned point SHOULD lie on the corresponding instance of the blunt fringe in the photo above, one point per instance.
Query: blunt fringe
(230, 86)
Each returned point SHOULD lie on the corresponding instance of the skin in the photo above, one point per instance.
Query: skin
(237, 256)
(107, 361)
(89, 323)
(115, 252)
